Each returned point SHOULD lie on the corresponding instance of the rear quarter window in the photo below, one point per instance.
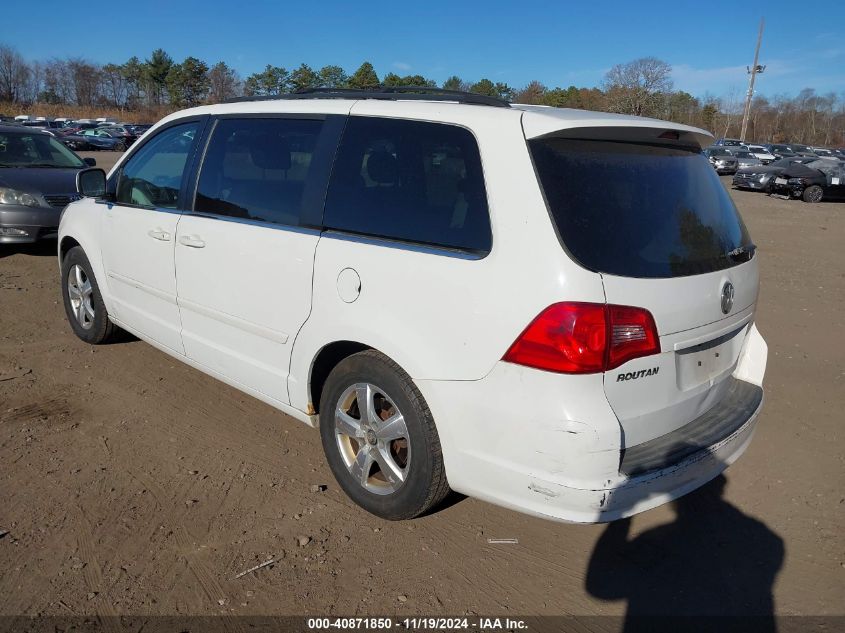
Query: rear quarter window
(411, 181)
(638, 210)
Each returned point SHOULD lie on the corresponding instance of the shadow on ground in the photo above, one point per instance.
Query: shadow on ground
(712, 568)
(41, 248)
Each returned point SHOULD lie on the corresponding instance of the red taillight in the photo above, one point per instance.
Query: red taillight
(585, 338)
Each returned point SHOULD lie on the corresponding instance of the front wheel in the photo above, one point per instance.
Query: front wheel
(380, 439)
(813, 193)
(83, 302)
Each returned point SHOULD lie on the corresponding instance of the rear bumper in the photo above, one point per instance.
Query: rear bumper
(28, 224)
(551, 446)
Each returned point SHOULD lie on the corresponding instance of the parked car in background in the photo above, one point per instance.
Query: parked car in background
(760, 177)
(37, 181)
(723, 161)
(823, 152)
(138, 128)
(762, 153)
(814, 181)
(745, 158)
(121, 132)
(780, 151)
(83, 124)
(802, 150)
(89, 140)
(728, 142)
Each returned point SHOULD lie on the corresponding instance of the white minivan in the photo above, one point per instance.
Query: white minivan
(549, 309)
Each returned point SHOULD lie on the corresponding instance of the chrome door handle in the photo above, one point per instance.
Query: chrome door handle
(192, 241)
(158, 234)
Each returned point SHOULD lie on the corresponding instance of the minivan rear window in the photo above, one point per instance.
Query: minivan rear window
(637, 210)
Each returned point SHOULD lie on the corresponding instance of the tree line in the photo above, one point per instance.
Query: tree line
(643, 87)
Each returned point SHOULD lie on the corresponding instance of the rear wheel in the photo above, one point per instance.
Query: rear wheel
(380, 439)
(813, 193)
(83, 302)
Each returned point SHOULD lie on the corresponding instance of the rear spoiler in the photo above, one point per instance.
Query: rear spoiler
(544, 122)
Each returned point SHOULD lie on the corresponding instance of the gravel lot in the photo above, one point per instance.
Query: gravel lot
(133, 484)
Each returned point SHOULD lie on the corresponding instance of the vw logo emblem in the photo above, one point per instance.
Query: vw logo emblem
(727, 297)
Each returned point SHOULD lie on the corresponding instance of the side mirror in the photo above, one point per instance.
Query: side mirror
(91, 183)
(91, 162)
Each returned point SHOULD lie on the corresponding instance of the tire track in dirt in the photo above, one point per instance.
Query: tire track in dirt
(261, 436)
(56, 406)
(93, 574)
(185, 546)
(92, 570)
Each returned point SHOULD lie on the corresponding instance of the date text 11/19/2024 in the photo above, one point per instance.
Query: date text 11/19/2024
(417, 624)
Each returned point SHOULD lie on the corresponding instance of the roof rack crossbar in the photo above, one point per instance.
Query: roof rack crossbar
(410, 93)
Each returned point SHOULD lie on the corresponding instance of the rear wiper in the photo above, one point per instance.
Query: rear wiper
(740, 251)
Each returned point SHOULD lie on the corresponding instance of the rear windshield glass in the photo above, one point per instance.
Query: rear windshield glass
(638, 210)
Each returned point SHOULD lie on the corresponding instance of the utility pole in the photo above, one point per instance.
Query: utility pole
(756, 68)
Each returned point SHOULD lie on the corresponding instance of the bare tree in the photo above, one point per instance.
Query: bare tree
(14, 74)
(86, 79)
(638, 86)
(114, 85)
(828, 113)
(730, 111)
(58, 86)
(34, 83)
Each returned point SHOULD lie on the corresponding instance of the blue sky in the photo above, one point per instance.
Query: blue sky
(708, 43)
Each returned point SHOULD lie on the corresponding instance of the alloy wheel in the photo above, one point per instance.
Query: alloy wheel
(81, 292)
(373, 438)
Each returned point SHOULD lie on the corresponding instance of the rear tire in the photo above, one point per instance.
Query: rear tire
(387, 458)
(83, 302)
(813, 193)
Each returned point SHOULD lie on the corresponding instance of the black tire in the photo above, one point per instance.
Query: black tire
(813, 193)
(120, 147)
(425, 484)
(101, 329)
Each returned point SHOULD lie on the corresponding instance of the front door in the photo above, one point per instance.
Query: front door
(139, 232)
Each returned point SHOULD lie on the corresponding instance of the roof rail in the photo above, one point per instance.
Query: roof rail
(396, 93)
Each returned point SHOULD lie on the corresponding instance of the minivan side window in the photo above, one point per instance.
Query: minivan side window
(409, 180)
(152, 177)
(257, 169)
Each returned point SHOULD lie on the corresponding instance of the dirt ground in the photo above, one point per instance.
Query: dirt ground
(133, 484)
